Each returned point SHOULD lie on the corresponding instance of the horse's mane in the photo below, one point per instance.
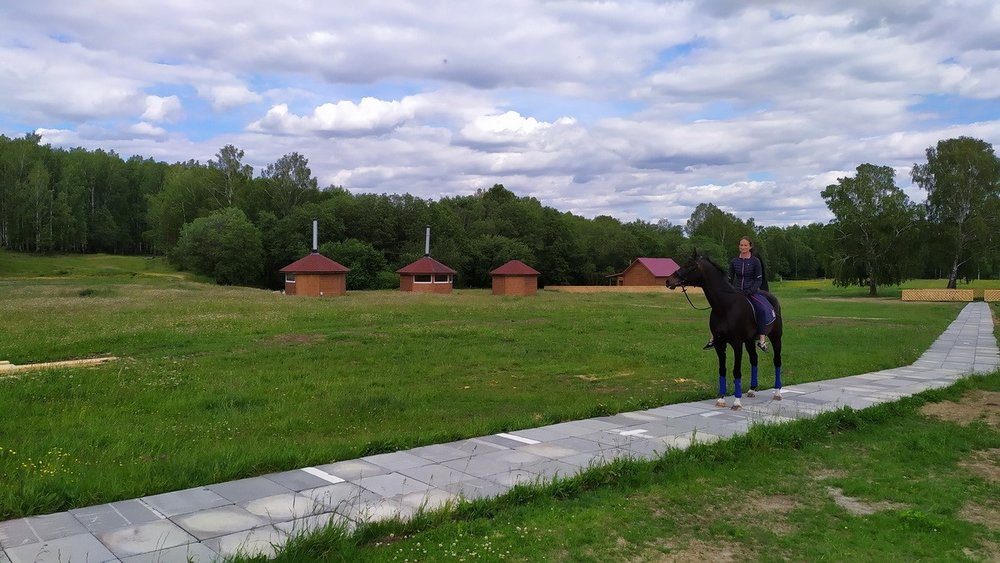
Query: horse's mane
(712, 262)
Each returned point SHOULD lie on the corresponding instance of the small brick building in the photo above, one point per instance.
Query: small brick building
(515, 278)
(646, 271)
(316, 276)
(426, 275)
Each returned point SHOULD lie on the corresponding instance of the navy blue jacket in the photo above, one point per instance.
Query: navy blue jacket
(746, 274)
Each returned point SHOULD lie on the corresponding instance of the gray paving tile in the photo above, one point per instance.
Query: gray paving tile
(3, 557)
(616, 421)
(476, 489)
(551, 469)
(215, 522)
(182, 502)
(502, 441)
(579, 427)
(392, 484)
(353, 469)
(114, 516)
(145, 538)
(79, 547)
(438, 453)
(297, 480)
(381, 510)
(35, 529)
(243, 490)
(431, 499)
(436, 475)
(396, 460)
(556, 450)
(283, 507)
(491, 464)
(311, 524)
(543, 434)
(262, 541)
(192, 552)
(341, 497)
(474, 447)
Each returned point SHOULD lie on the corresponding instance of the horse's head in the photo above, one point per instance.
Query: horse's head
(693, 271)
(688, 274)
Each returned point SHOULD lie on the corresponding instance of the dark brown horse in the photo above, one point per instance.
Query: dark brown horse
(732, 323)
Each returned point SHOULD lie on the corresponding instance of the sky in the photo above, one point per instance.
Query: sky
(633, 109)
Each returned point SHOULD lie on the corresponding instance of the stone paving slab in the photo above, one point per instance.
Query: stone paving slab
(193, 552)
(145, 538)
(184, 502)
(257, 514)
(77, 547)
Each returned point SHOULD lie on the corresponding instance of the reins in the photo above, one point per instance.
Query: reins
(685, 292)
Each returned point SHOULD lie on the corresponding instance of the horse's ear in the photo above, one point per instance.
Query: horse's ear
(694, 253)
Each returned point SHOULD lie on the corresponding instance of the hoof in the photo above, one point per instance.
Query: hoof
(720, 403)
(736, 407)
(777, 396)
(751, 393)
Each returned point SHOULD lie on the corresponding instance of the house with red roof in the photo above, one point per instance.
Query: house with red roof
(646, 271)
(426, 275)
(315, 275)
(515, 278)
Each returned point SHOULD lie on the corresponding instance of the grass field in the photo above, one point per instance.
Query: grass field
(206, 371)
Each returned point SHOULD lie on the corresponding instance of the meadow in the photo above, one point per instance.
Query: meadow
(217, 383)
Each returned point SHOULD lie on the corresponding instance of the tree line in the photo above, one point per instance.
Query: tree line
(222, 220)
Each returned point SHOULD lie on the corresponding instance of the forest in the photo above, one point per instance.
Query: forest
(223, 220)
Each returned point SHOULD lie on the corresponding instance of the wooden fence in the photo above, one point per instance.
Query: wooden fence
(619, 289)
(938, 295)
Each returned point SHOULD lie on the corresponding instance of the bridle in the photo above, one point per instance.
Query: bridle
(688, 297)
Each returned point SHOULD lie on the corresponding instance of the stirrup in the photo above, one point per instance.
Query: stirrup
(710, 345)
(762, 346)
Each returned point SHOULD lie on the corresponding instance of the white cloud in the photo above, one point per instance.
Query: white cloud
(226, 96)
(160, 108)
(370, 116)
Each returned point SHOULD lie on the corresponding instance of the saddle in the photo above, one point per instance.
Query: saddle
(761, 305)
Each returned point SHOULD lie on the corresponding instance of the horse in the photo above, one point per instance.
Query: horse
(732, 323)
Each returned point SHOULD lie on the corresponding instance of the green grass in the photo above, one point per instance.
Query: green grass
(770, 495)
(206, 370)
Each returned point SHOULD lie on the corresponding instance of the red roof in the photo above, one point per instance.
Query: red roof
(515, 268)
(315, 263)
(659, 267)
(425, 265)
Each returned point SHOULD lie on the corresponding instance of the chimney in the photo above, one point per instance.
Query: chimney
(315, 237)
(427, 242)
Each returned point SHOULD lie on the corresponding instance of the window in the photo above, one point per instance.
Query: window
(442, 278)
(289, 278)
(422, 278)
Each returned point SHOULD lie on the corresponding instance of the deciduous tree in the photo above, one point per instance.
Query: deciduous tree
(872, 217)
(962, 179)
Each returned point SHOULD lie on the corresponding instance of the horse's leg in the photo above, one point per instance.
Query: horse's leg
(752, 353)
(776, 344)
(720, 351)
(737, 376)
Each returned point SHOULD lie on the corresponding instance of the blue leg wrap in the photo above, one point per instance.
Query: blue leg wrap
(739, 388)
(722, 386)
(753, 377)
(777, 378)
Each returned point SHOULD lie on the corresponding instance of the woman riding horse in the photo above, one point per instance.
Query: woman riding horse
(732, 322)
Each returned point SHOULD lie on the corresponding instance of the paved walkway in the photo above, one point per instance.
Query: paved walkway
(251, 515)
